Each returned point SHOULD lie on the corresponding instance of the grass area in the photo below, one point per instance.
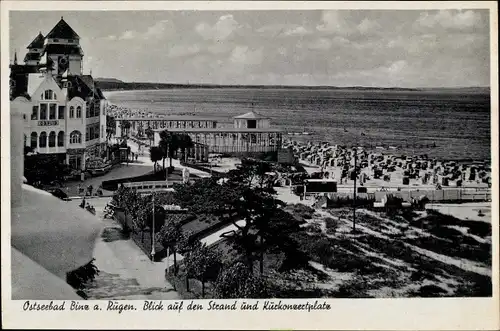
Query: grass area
(401, 254)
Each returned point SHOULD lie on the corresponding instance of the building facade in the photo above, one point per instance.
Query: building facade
(168, 122)
(64, 112)
(251, 134)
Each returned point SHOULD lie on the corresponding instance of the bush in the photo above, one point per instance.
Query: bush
(236, 281)
(331, 225)
(81, 277)
(301, 210)
(313, 228)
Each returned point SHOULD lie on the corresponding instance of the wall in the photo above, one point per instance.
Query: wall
(75, 124)
(75, 65)
(17, 108)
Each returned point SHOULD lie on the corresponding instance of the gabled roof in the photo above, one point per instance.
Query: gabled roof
(81, 86)
(63, 31)
(37, 42)
(19, 80)
(250, 116)
(92, 84)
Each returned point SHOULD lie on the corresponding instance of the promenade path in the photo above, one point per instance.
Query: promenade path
(125, 271)
(141, 166)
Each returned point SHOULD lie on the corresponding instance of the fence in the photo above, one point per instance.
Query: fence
(452, 194)
(152, 185)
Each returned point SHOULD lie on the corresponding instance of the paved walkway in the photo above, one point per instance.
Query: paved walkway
(125, 271)
(146, 161)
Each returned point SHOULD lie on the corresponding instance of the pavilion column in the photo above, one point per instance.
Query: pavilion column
(197, 152)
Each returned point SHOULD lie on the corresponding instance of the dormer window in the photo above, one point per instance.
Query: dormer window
(71, 41)
(49, 95)
(251, 124)
(56, 40)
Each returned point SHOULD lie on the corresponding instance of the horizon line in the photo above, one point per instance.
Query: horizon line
(110, 80)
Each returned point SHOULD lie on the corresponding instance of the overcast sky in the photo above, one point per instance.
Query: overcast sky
(338, 47)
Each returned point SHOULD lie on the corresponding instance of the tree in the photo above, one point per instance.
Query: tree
(172, 236)
(203, 264)
(184, 142)
(110, 127)
(155, 154)
(126, 126)
(236, 281)
(44, 168)
(246, 197)
(169, 144)
(150, 134)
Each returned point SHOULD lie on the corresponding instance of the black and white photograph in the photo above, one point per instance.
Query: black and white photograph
(250, 154)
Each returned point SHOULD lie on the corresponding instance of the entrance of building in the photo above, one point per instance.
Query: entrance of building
(75, 162)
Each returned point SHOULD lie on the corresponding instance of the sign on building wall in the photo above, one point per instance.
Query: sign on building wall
(48, 123)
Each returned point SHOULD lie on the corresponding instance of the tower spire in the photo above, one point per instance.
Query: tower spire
(15, 57)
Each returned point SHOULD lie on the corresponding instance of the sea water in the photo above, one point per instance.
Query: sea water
(458, 123)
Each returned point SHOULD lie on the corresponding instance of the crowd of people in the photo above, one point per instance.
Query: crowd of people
(124, 112)
(87, 206)
(419, 169)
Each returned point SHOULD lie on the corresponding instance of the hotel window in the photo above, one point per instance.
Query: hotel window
(43, 111)
(87, 133)
(87, 112)
(71, 112)
(75, 137)
(60, 139)
(78, 112)
(43, 140)
(52, 111)
(253, 139)
(52, 139)
(61, 111)
(251, 124)
(34, 140)
(25, 140)
(214, 124)
(34, 113)
(49, 95)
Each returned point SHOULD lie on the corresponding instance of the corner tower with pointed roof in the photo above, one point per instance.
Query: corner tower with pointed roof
(62, 45)
(35, 50)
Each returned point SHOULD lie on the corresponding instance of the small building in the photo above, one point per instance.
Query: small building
(320, 186)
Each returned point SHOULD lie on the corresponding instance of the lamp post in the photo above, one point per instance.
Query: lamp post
(153, 232)
(354, 195)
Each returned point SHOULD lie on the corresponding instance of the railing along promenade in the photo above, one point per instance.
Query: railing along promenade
(150, 186)
(446, 194)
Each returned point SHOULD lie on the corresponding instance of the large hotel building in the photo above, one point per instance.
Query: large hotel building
(64, 112)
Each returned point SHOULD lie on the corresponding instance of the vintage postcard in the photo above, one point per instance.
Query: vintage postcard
(250, 165)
